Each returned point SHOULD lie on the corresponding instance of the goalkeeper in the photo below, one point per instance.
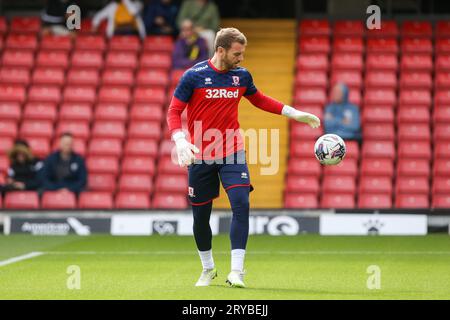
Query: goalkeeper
(211, 91)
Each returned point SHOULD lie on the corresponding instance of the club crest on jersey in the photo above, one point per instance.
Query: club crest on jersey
(235, 81)
(191, 192)
(208, 81)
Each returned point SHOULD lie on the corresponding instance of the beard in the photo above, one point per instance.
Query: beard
(230, 65)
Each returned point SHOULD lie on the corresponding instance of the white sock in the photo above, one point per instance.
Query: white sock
(207, 259)
(237, 260)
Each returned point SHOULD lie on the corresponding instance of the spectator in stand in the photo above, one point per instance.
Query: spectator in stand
(189, 48)
(54, 17)
(160, 17)
(123, 18)
(205, 16)
(23, 171)
(341, 116)
(64, 169)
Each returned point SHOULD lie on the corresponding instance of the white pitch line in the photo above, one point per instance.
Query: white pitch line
(30, 255)
(282, 252)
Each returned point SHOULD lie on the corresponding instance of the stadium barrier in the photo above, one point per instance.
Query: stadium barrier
(275, 223)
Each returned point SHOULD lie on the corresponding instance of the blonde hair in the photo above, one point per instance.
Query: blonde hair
(227, 36)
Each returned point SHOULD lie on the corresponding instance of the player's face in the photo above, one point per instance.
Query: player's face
(234, 56)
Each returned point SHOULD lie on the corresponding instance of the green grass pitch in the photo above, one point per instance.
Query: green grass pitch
(166, 267)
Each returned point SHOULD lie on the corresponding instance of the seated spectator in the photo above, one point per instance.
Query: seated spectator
(123, 18)
(64, 169)
(54, 17)
(204, 14)
(189, 48)
(23, 168)
(341, 116)
(160, 17)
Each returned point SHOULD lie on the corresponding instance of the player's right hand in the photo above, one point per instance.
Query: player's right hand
(185, 150)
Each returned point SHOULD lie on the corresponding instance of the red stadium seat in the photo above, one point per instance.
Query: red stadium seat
(304, 167)
(3, 25)
(416, 80)
(379, 131)
(442, 46)
(385, 61)
(442, 63)
(44, 93)
(21, 200)
(383, 97)
(40, 111)
(111, 112)
(56, 59)
(15, 75)
(441, 149)
(377, 167)
(52, 42)
(95, 200)
(382, 45)
(374, 201)
(12, 93)
(10, 111)
(152, 77)
(352, 79)
(156, 60)
(159, 44)
(442, 80)
(310, 96)
(83, 77)
(416, 62)
(136, 183)
(102, 164)
(87, 59)
(314, 27)
(348, 28)
(139, 165)
(442, 28)
(4, 165)
(302, 131)
(300, 201)
(414, 150)
(118, 77)
(141, 147)
(75, 111)
(167, 166)
(442, 97)
(441, 114)
(169, 201)
(175, 76)
(114, 94)
(105, 147)
(337, 201)
(102, 182)
(441, 167)
(410, 201)
(79, 129)
(146, 112)
(417, 132)
(109, 129)
(347, 61)
(339, 184)
(381, 79)
(302, 149)
(80, 94)
(58, 200)
(352, 151)
(36, 128)
(125, 43)
(415, 185)
(132, 200)
(312, 62)
(415, 97)
(378, 115)
(314, 44)
(417, 29)
(171, 183)
(441, 201)
(300, 184)
(121, 59)
(416, 45)
(348, 44)
(48, 76)
(388, 28)
(378, 149)
(39, 146)
(348, 167)
(21, 41)
(441, 132)
(90, 42)
(441, 185)
(413, 168)
(18, 58)
(411, 114)
(25, 25)
(8, 129)
(149, 95)
(6, 142)
(375, 185)
(144, 130)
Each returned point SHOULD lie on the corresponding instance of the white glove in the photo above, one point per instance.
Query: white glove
(185, 150)
(300, 116)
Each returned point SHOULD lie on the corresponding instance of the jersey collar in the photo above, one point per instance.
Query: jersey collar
(215, 69)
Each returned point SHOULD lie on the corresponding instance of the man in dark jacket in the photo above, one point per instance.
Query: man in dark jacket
(160, 17)
(64, 169)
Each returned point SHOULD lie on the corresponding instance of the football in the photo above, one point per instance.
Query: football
(329, 149)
